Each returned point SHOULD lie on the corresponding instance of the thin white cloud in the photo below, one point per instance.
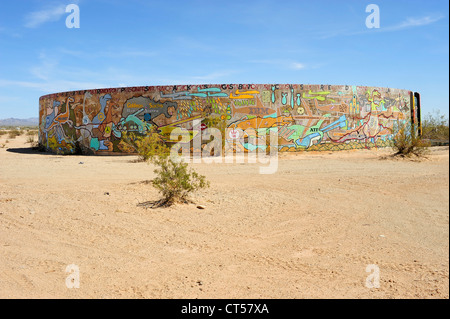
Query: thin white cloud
(52, 86)
(47, 76)
(24, 84)
(293, 65)
(45, 69)
(298, 66)
(109, 54)
(8, 99)
(51, 14)
(413, 22)
(9, 33)
(406, 24)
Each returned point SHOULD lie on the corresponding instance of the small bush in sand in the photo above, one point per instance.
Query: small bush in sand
(14, 133)
(30, 139)
(174, 181)
(407, 142)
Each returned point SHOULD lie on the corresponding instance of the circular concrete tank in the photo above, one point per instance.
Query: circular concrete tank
(306, 117)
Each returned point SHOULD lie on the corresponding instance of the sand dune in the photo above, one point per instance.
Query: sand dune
(307, 231)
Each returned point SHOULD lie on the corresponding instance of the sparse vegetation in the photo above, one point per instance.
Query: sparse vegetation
(32, 132)
(219, 122)
(14, 133)
(174, 181)
(2, 132)
(30, 139)
(407, 142)
(147, 146)
(435, 126)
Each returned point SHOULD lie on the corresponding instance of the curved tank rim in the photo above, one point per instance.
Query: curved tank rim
(217, 85)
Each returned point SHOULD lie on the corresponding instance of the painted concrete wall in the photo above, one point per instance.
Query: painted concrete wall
(306, 117)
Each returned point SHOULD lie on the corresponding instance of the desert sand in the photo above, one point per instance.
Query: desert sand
(308, 231)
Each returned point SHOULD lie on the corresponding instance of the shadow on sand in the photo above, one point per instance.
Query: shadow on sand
(28, 150)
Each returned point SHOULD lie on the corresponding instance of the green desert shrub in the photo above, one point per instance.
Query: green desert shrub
(175, 181)
(147, 146)
(219, 122)
(407, 142)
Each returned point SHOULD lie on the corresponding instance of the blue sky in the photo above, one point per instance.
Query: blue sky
(146, 42)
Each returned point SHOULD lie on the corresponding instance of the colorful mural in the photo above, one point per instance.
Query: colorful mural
(306, 117)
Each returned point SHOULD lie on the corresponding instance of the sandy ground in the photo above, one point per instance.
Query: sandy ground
(307, 231)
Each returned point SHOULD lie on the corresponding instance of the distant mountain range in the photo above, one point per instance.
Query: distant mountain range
(32, 121)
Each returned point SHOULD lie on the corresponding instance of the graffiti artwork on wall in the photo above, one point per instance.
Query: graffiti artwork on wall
(306, 117)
